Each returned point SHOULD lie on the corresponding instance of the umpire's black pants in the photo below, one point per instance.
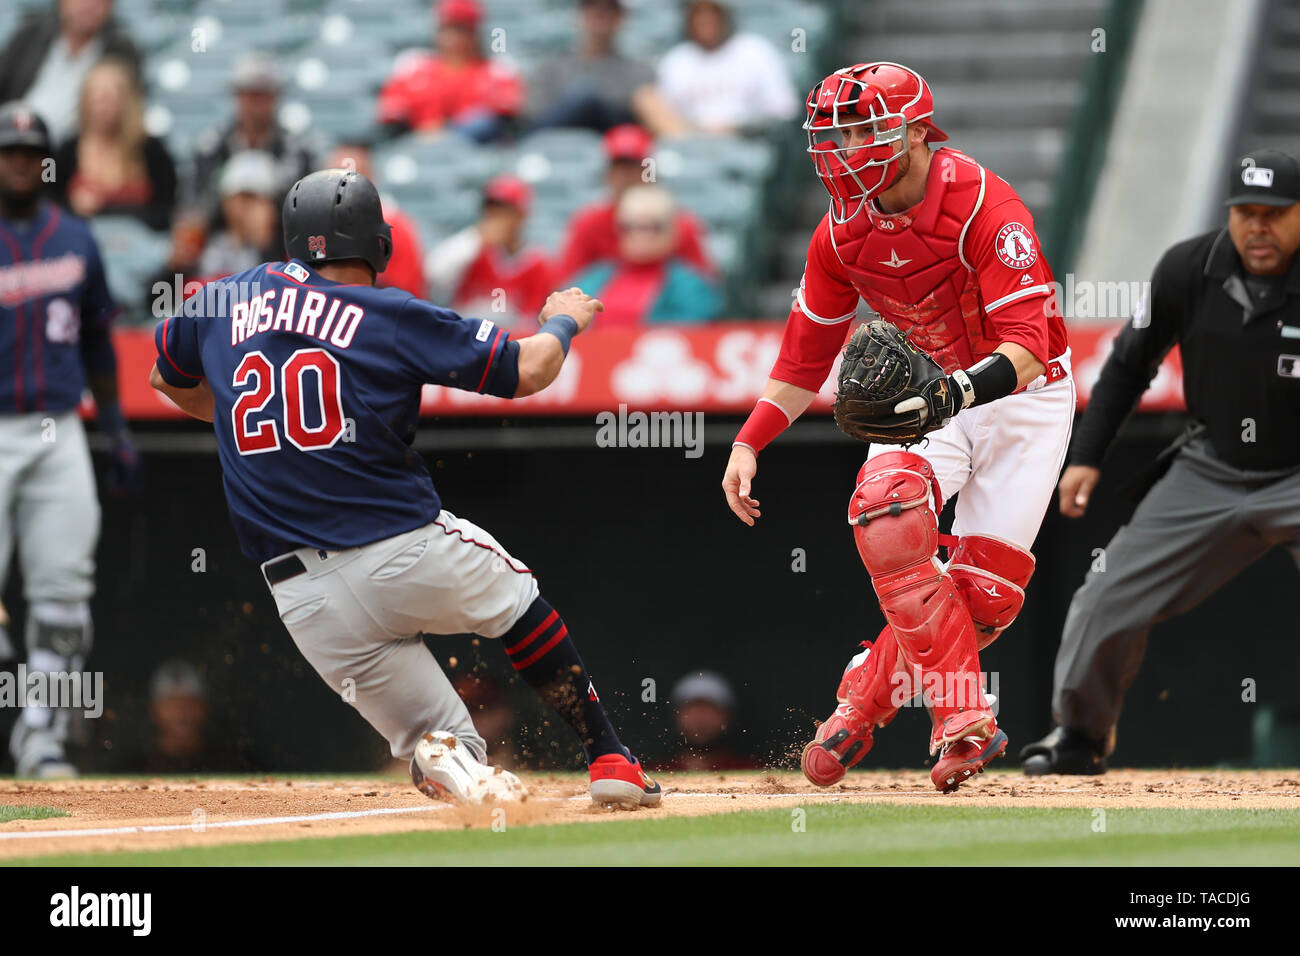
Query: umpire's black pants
(1196, 529)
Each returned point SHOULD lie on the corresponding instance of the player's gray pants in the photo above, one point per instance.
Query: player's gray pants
(48, 505)
(49, 508)
(357, 616)
(1197, 528)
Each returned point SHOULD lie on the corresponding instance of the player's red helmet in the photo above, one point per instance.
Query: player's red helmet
(888, 97)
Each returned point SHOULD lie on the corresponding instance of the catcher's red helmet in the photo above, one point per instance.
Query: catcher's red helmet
(888, 96)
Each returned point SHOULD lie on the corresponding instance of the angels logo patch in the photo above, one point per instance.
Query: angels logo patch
(1015, 246)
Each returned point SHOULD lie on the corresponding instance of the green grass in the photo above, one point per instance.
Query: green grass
(838, 834)
(21, 812)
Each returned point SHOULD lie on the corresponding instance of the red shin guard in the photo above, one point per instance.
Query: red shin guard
(894, 514)
(991, 576)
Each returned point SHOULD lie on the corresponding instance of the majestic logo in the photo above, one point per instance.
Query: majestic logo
(316, 246)
(1253, 175)
(893, 261)
(1015, 246)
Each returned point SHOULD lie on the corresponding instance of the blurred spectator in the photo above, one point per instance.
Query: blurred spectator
(189, 235)
(646, 281)
(179, 713)
(722, 82)
(485, 269)
(704, 704)
(50, 53)
(255, 82)
(406, 267)
(456, 87)
(251, 192)
(596, 87)
(592, 235)
(493, 717)
(112, 167)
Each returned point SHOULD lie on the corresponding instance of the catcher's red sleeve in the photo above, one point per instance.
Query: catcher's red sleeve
(1014, 279)
(820, 319)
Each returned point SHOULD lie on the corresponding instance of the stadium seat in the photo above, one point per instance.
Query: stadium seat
(132, 255)
(736, 157)
(327, 116)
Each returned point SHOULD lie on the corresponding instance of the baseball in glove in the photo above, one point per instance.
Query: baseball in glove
(890, 392)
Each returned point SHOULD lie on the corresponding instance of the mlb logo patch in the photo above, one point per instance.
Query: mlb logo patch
(295, 271)
(1257, 176)
(1288, 366)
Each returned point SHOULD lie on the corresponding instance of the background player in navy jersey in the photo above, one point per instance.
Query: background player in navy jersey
(55, 313)
(312, 378)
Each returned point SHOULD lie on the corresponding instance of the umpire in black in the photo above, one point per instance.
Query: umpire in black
(1227, 491)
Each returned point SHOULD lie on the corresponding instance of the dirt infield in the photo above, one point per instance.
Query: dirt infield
(107, 815)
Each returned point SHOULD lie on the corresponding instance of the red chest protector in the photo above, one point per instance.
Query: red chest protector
(909, 268)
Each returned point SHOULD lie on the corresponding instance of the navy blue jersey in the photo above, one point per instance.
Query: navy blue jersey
(53, 301)
(317, 396)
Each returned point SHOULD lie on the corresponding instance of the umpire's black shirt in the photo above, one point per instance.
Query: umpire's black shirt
(1240, 341)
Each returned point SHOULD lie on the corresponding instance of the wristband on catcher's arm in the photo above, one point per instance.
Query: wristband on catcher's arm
(765, 422)
(986, 381)
(563, 327)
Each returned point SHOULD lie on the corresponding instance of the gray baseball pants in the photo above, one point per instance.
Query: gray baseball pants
(49, 509)
(358, 617)
(1197, 528)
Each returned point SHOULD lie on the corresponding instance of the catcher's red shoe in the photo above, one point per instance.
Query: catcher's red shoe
(841, 742)
(962, 759)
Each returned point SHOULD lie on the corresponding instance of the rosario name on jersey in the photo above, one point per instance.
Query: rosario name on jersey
(317, 397)
(55, 312)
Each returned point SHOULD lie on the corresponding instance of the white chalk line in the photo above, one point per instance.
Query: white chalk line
(335, 815)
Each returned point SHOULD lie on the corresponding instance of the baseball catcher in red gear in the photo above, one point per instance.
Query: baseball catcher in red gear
(967, 370)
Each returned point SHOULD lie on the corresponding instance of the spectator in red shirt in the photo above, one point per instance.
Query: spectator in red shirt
(592, 232)
(485, 269)
(456, 87)
(406, 267)
(646, 282)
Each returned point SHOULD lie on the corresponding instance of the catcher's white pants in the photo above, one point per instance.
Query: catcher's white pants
(1004, 458)
(358, 615)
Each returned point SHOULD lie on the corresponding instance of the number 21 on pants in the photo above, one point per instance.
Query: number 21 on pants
(296, 389)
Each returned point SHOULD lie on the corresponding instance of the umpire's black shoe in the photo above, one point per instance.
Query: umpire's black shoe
(1064, 750)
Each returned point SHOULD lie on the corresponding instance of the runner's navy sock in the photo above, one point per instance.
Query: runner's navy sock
(542, 652)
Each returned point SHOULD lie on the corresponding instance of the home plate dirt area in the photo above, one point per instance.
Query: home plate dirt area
(142, 814)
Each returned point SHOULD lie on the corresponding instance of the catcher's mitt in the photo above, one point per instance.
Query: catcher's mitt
(890, 392)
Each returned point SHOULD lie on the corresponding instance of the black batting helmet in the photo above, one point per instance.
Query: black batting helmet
(20, 126)
(335, 214)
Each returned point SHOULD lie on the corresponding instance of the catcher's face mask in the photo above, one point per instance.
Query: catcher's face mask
(857, 130)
